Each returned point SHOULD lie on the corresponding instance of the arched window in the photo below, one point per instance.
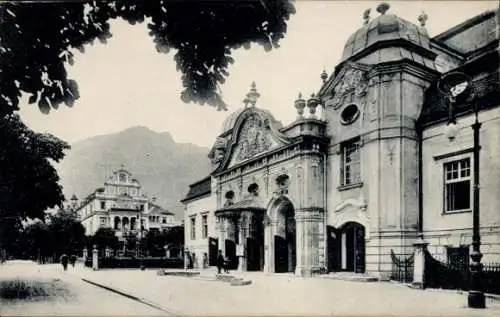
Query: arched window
(229, 198)
(283, 180)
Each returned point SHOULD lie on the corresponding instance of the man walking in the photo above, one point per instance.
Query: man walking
(64, 261)
(72, 260)
(220, 262)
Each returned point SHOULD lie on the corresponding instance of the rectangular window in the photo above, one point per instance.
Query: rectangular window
(193, 228)
(457, 185)
(204, 224)
(102, 221)
(164, 219)
(351, 163)
(103, 205)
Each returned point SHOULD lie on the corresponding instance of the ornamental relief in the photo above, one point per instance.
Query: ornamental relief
(254, 138)
(218, 151)
(353, 82)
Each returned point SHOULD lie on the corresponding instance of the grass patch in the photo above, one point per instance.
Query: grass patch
(31, 289)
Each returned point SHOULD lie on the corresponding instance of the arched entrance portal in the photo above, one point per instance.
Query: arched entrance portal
(346, 248)
(284, 235)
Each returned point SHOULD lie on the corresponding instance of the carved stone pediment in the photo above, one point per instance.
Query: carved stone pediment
(255, 137)
(350, 80)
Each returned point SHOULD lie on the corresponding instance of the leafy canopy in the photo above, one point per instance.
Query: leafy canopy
(37, 39)
(28, 181)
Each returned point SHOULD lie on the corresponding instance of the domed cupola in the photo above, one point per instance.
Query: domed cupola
(385, 34)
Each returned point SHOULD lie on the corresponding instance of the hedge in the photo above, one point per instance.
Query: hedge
(157, 263)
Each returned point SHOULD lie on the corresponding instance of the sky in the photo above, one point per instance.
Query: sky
(126, 83)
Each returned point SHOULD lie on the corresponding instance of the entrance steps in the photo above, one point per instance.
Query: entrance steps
(350, 276)
(207, 276)
(178, 273)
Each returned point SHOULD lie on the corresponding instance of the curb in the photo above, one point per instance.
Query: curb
(138, 299)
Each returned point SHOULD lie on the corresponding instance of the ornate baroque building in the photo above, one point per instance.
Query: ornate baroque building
(119, 205)
(368, 169)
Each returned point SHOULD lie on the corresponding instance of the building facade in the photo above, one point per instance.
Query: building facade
(119, 205)
(368, 170)
(199, 223)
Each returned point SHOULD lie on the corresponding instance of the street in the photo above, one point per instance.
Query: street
(267, 295)
(283, 294)
(83, 299)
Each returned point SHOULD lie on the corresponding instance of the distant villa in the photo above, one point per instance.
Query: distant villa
(119, 205)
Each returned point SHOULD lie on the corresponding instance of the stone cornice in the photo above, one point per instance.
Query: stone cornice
(407, 66)
(302, 121)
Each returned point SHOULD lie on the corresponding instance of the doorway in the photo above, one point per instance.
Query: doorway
(284, 238)
(353, 247)
(333, 248)
(231, 254)
(213, 251)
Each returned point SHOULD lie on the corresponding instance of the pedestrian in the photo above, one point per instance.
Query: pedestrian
(64, 261)
(226, 264)
(220, 262)
(72, 260)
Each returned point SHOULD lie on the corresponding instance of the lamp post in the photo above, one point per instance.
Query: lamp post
(458, 86)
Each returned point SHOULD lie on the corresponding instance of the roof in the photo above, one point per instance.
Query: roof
(386, 27)
(200, 188)
(484, 72)
(471, 34)
(159, 210)
(247, 203)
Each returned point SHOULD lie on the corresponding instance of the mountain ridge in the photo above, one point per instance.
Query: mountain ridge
(163, 167)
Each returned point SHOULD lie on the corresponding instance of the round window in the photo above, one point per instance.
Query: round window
(229, 195)
(349, 114)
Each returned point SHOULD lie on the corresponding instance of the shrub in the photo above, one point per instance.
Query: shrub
(157, 263)
(28, 289)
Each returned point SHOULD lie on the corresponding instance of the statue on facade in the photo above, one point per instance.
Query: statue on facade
(218, 151)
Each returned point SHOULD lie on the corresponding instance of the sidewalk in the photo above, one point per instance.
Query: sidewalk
(284, 295)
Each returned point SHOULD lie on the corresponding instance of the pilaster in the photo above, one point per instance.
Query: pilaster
(269, 232)
(221, 234)
(309, 223)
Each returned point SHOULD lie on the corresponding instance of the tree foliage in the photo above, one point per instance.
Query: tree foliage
(37, 240)
(105, 237)
(37, 39)
(68, 233)
(28, 181)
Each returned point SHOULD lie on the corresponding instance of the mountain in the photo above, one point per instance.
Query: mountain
(163, 167)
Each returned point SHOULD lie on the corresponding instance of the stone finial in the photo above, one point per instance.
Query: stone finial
(312, 104)
(366, 16)
(300, 104)
(252, 95)
(422, 18)
(324, 76)
(383, 7)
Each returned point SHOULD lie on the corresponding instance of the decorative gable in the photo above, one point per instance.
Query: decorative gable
(350, 82)
(254, 138)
